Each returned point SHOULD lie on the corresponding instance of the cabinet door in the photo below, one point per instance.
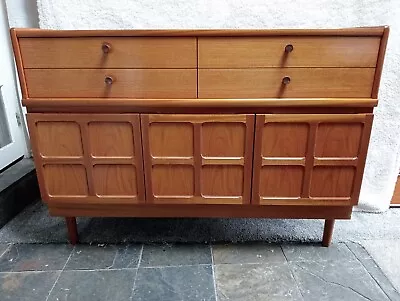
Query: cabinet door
(198, 159)
(313, 159)
(88, 158)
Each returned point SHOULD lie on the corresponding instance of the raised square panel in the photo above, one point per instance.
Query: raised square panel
(338, 139)
(173, 180)
(332, 181)
(111, 139)
(59, 139)
(65, 180)
(219, 180)
(281, 181)
(115, 180)
(171, 139)
(284, 139)
(223, 139)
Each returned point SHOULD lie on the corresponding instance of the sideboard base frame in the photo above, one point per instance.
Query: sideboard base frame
(219, 211)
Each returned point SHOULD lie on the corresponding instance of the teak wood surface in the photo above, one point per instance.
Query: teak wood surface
(200, 123)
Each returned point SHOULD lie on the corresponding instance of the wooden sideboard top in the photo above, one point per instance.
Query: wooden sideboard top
(356, 31)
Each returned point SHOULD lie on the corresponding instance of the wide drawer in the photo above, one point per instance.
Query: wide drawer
(109, 52)
(300, 82)
(133, 83)
(241, 52)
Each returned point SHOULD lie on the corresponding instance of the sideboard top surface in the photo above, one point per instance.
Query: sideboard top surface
(356, 31)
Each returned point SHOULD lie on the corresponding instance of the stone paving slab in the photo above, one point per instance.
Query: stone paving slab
(256, 271)
(27, 286)
(386, 253)
(247, 253)
(102, 256)
(175, 255)
(175, 283)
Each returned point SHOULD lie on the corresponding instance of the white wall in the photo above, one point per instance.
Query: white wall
(22, 13)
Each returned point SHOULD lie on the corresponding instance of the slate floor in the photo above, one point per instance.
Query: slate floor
(345, 271)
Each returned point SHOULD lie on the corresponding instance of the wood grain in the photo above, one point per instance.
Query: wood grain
(223, 139)
(134, 83)
(190, 210)
(86, 52)
(18, 61)
(98, 172)
(255, 52)
(305, 82)
(281, 139)
(172, 180)
(197, 158)
(59, 139)
(220, 180)
(338, 139)
(355, 31)
(332, 181)
(111, 139)
(309, 159)
(65, 180)
(281, 181)
(379, 64)
(112, 180)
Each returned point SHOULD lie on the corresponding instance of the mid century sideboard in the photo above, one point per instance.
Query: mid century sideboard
(200, 123)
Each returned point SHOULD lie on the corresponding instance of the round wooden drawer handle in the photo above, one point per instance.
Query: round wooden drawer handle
(289, 48)
(108, 80)
(106, 47)
(286, 80)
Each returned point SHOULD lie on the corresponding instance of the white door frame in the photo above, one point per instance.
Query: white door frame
(10, 96)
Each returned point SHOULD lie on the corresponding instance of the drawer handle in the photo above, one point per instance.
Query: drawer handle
(108, 80)
(286, 80)
(289, 48)
(106, 47)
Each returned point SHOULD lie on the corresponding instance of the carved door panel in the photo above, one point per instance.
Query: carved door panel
(198, 159)
(88, 158)
(309, 159)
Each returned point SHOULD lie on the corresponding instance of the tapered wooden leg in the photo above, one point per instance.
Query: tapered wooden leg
(72, 230)
(328, 231)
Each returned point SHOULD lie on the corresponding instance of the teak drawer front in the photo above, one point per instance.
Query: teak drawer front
(304, 82)
(133, 83)
(247, 52)
(197, 159)
(309, 159)
(128, 52)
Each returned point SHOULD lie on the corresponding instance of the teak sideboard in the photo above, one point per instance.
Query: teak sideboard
(200, 123)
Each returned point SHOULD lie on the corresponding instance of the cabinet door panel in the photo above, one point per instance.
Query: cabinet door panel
(303, 159)
(198, 159)
(88, 158)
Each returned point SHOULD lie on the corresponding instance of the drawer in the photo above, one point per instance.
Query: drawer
(304, 82)
(109, 52)
(130, 83)
(242, 52)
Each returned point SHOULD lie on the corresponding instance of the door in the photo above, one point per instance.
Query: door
(197, 159)
(12, 140)
(309, 159)
(88, 158)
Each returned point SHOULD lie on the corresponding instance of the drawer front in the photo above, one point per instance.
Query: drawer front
(303, 82)
(133, 83)
(245, 52)
(309, 159)
(107, 52)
